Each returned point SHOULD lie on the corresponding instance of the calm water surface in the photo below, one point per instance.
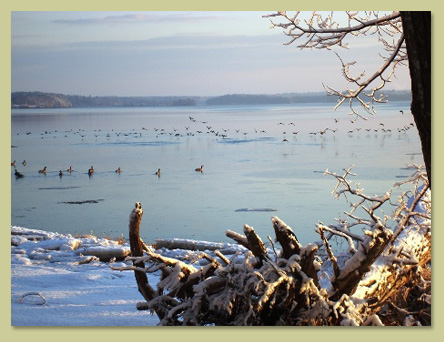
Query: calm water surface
(250, 174)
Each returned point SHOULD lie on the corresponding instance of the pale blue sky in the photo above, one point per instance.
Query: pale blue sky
(172, 53)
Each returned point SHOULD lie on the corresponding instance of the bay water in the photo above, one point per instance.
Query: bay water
(258, 162)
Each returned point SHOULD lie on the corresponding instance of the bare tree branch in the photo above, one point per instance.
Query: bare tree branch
(325, 33)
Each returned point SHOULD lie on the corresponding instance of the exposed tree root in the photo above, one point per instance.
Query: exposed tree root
(382, 279)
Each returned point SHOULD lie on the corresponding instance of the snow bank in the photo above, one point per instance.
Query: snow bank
(42, 245)
(61, 280)
(51, 286)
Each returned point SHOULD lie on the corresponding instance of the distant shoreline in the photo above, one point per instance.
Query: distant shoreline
(32, 100)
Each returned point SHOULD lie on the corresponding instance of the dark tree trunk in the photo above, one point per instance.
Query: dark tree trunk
(417, 33)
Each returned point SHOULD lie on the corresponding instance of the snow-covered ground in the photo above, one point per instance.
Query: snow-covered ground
(56, 281)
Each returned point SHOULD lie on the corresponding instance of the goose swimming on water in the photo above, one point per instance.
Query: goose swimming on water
(43, 170)
(18, 174)
(200, 169)
(91, 171)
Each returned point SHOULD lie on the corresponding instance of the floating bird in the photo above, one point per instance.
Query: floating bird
(157, 173)
(118, 170)
(91, 171)
(43, 170)
(60, 173)
(13, 163)
(284, 140)
(24, 162)
(70, 169)
(18, 174)
(200, 169)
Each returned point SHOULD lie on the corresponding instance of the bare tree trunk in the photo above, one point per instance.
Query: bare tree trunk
(417, 32)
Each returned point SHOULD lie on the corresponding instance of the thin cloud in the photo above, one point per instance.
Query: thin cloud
(148, 17)
(197, 42)
(26, 36)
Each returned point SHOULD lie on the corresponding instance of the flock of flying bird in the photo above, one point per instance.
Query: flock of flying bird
(209, 130)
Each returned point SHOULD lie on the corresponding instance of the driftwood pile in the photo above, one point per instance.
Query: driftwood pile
(368, 284)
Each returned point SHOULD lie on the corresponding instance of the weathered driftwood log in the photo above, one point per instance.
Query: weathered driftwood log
(259, 289)
(136, 246)
(255, 243)
(194, 245)
(240, 239)
(360, 263)
(108, 253)
(286, 237)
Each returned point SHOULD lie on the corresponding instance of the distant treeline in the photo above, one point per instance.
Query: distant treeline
(50, 100)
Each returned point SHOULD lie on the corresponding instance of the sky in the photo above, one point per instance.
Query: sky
(173, 54)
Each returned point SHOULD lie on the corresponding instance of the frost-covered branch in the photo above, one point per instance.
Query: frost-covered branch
(325, 32)
(344, 186)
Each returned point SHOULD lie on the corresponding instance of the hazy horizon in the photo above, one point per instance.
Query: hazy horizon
(202, 96)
